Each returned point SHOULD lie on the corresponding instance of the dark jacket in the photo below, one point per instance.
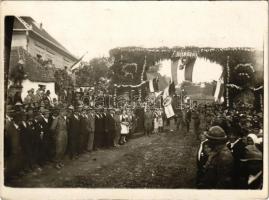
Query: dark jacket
(218, 170)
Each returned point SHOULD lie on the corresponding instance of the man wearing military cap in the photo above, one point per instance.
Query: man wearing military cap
(218, 169)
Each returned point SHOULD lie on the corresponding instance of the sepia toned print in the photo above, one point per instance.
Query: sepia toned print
(148, 102)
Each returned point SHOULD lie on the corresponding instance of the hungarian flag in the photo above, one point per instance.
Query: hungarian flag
(219, 89)
(153, 85)
(182, 69)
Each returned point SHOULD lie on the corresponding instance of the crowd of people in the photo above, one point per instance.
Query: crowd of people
(230, 155)
(41, 130)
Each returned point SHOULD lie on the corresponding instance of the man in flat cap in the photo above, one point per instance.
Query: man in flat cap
(218, 169)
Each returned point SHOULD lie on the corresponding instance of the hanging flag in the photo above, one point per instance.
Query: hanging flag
(174, 70)
(219, 89)
(155, 84)
(151, 88)
(189, 68)
(77, 64)
(182, 69)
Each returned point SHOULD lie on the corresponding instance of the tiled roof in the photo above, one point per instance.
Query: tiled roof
(33, 69)
(26, 22)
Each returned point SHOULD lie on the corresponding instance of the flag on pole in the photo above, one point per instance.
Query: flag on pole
(174, 70)
(77, 64)
(182, 69)
(219, 89)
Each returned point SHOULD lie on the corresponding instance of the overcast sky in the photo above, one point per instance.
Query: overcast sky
(96, 27)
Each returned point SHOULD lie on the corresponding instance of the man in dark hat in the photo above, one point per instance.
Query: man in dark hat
(253, 168)
(73, 128)
(37, 139)
(14, 159)
(47, 139)
(24, 140)
(218, 170)
(237, 147)
(8, 121)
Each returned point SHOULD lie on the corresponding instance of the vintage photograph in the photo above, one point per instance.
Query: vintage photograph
(135, 95)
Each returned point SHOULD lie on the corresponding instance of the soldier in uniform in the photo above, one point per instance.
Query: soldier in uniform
(218, 169)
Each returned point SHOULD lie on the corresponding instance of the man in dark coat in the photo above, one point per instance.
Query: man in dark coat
(24, 140)
(84, 131)
(91, 121)
(73, 128)
(218, 170)
(14, 159)
(237, 147)
(100, 129)
(37, 139)
(253, 168)
(47, 137)
(106, 121)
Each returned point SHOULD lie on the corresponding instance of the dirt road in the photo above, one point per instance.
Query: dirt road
(166, 160)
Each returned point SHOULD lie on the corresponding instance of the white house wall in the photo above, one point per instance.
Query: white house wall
(19, 40)
(27, 85)
(35, 47)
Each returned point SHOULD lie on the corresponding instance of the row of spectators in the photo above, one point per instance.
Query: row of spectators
(231, 149)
